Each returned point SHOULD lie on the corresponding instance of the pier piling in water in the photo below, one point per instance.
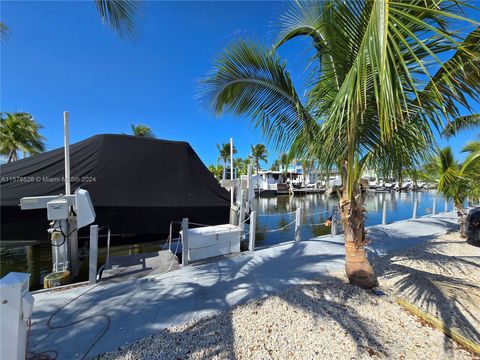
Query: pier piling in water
(384, 212)
(298, 221)
(251, 233)
(415, 206)
(184, 241)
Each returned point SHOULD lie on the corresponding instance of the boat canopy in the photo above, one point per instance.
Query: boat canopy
(137, 186)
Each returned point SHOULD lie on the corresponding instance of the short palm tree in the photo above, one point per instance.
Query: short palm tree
(142, 130)
(366, 104)
(20, 132)
(259, 152)
(120, 15)
(455, 181)
(471, 169)
(225, 155)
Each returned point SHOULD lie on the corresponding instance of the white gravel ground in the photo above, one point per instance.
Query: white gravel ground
(330, 319)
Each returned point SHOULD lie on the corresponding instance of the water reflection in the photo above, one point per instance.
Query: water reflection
(277, 212)
(275, 224)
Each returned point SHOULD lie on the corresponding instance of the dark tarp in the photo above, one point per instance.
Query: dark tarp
(137, 186)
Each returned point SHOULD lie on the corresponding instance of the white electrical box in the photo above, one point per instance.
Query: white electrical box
(57, 209)
(16, 307)
(209, 241)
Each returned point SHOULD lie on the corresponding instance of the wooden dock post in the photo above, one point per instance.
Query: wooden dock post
(434, 206)
(298, 222)
(384, 212)
(241, 212)
(334, 221)
(446, 205)
(415, 205)
(251, 233)
(184, 241)
(93, 255)
(249, 185)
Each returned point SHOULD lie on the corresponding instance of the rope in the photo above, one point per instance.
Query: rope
(277, 214)
(244, 221)
(280, 229)
(319, 213)
(204, 225)
(290, 213)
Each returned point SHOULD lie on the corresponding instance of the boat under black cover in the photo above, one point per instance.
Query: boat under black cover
(137, 186)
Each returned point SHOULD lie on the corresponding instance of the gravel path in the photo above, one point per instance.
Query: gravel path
(329, 318)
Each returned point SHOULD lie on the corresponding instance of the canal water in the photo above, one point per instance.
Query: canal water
(275, 224)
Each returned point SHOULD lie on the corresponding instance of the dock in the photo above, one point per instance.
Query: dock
(121, 268)
(308, 191)
(89, 320)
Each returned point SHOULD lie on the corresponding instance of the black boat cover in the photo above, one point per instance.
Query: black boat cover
(137, 186)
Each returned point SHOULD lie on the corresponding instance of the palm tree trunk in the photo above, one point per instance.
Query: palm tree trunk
(224, 169)
(358, 269)
(462, 215)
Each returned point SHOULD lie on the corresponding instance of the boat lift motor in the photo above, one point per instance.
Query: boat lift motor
(15, 310)
(64, 224)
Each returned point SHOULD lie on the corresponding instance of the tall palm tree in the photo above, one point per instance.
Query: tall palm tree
(366, 103)
(241, 165)
(284, 161)
(120, 15)
(259, 152)
(142, 130)
(225, 155)
(19, 132)
(275, 166)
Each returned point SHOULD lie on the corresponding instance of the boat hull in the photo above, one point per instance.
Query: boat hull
(32, 225)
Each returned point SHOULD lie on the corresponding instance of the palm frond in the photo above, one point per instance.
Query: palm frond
(4, 31)
(250, 80)
(461, 123)
(120, 15)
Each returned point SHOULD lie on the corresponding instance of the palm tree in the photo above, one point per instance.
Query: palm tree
(275, 166)
(19, 132)
(367, 105)
(225, 155)
(241, 165)
(259, 152)
(142, 130)
(471, 169)
(216, 170)
(455, 181)
(120, 15)
(284, 161)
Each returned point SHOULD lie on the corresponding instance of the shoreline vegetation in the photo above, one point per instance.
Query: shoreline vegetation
(329, 318)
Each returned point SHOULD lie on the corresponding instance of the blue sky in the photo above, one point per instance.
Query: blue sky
(60, 57)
